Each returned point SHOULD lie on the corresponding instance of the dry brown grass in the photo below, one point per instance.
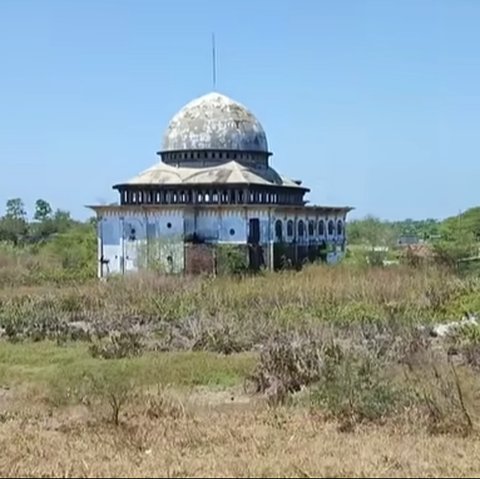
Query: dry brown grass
(189, 312)
(209, 433)
(232, 439)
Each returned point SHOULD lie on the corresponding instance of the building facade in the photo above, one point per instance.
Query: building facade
(214, 188)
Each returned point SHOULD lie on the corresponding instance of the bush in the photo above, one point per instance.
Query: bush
(114, 390)
(231, 260)
(108, 387)
(287, 363)
(353, 389)
(117, 346)
(464, 343)
(162, 404)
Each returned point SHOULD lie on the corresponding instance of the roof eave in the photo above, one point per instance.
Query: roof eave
(210, 184)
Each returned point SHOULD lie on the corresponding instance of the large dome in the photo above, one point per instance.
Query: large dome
(215, 122)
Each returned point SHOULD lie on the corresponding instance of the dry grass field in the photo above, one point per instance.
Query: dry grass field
(327, 372)
(233, 440)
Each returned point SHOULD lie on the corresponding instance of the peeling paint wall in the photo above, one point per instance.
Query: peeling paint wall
(225, 226)
(134, 241)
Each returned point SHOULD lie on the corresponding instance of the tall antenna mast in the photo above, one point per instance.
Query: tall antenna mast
(214, 66)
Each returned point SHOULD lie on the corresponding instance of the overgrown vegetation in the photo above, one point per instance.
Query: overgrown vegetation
(451, 240)
(350, 346)
(354, 388)
(53, 248)
(226, 314)
(231, 260)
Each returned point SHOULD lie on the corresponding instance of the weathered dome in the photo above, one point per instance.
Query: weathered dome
(215, 122)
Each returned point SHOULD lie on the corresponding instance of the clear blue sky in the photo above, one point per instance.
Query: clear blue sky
(374, 104)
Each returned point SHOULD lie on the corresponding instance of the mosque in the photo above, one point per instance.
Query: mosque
(214, 190)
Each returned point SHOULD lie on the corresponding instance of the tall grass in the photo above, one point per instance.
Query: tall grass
(227, 314)
(322, 292)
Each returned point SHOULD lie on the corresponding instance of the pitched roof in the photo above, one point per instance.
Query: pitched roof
(226, 173)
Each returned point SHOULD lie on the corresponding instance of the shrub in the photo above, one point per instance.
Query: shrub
(106, 387)
(288, 362)
(220, 338)
(117, 346)
(113, 389)
(231, 260)
(464, 342)
(353, 388)
(162, 404)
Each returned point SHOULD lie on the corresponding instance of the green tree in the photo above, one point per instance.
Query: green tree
(74, 249)
(15, 209)
(13, 226)
(370, 231)
(459, 236)
(463, 224)
(62, 221)
(43, 210)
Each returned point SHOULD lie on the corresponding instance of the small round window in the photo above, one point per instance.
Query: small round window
(169, 225)
(232, 232)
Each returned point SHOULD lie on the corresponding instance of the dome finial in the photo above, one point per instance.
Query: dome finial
(214, 66)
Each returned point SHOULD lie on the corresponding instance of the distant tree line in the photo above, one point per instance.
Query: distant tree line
(452, 239)
(52, 244)
(15, 227)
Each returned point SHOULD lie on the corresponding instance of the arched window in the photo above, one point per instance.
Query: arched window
(301, 228)
(321, 228)
(331, 228)
(311, 228)
(278, 230)
(339, 228)
(290, 228)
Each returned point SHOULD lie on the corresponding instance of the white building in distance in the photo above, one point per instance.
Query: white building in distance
(213, 187)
